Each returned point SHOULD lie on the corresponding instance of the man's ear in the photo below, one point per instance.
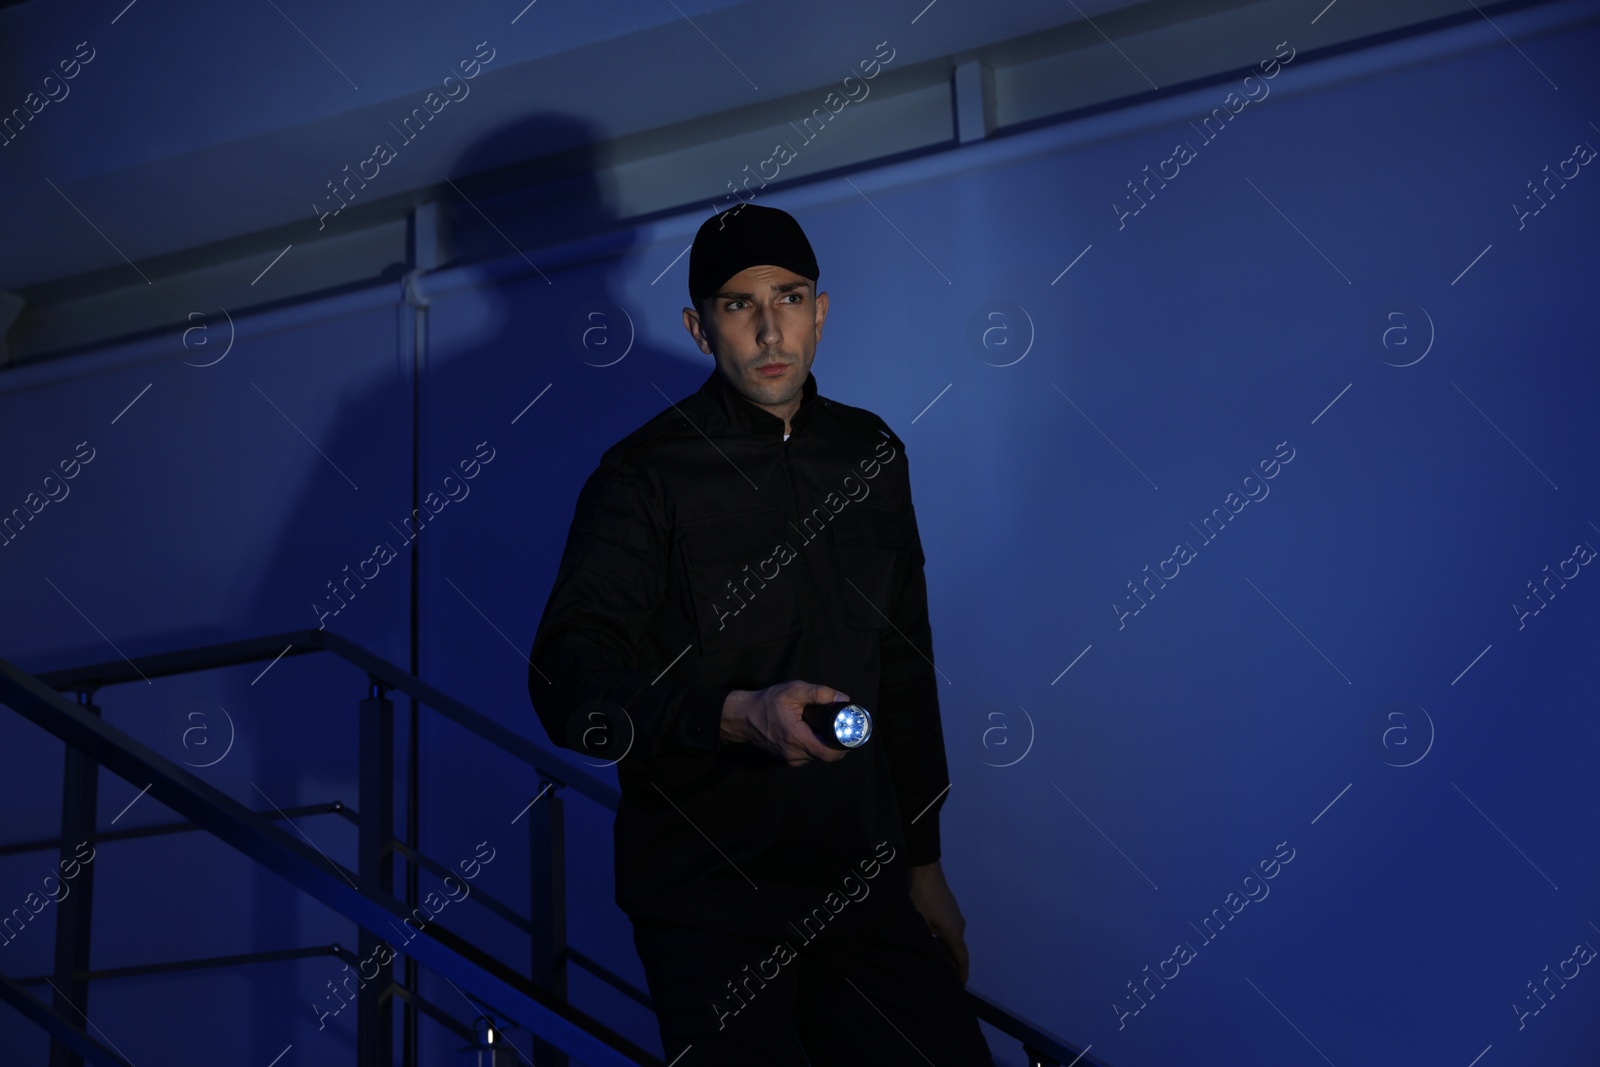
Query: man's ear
(692, 323)
(822, 311)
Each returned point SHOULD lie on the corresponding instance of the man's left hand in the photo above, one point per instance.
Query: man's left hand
(931, 896)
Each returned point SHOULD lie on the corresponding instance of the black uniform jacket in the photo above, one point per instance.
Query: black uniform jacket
(707, 554)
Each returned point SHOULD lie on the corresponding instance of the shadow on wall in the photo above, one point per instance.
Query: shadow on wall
(525, 384)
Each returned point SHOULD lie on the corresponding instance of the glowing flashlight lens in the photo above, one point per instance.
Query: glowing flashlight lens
(852, 726)
(840, 724)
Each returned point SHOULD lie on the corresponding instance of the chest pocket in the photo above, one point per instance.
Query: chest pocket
(742, 595)
(867, 539)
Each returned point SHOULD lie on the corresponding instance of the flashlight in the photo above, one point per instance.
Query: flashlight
(840, 724)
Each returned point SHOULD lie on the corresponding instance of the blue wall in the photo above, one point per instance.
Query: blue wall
(1336, 688)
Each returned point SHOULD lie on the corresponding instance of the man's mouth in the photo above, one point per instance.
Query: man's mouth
(772, 370)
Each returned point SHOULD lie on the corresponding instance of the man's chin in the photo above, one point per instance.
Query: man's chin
(759, 389)
(775, 389)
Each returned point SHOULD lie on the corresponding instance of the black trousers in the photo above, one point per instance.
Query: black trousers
(885, 995)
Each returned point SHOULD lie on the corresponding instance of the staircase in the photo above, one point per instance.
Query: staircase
(531, 995)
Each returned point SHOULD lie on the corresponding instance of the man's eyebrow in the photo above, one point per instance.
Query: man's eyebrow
(776, 287)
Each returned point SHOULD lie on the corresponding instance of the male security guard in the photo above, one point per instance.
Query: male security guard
(747, 551)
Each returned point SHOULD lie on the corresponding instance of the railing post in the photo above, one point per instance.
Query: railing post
(80, 786)
(547, 879)
(375, 871)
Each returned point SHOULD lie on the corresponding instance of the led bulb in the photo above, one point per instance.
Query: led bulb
(852, 726)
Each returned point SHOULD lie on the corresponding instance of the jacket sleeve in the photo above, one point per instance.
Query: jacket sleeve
(585, 677)
(908, 699)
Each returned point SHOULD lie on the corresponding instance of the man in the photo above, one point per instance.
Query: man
(748, 551)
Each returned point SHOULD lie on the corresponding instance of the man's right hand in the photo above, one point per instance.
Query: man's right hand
(771, 720)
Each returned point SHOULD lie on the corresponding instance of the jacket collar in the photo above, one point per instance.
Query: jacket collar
(744, 416)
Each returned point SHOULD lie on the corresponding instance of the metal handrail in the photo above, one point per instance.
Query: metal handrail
(51, 844)
(224, 817)
(423, 861)
(40, 1014)
(336, 950)
(300, 642)
(1043, 1047)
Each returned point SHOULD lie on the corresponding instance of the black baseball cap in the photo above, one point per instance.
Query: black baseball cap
(749, 235)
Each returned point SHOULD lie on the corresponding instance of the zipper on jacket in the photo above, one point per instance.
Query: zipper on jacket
(805, 599)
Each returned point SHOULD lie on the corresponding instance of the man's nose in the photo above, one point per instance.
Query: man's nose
(767, 331)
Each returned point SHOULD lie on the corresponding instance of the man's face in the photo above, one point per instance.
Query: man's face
(763, 317)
